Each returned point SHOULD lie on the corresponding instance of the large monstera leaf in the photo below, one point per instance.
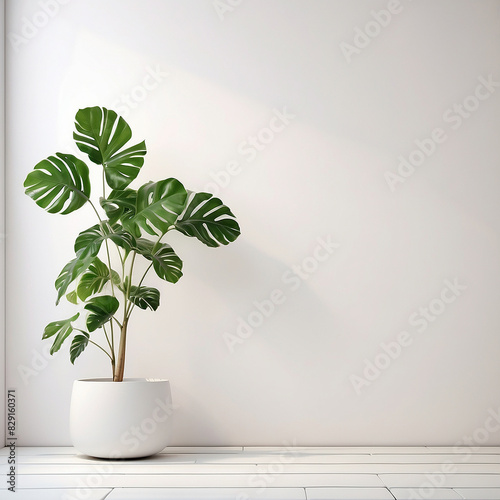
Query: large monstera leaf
(89, 242)
(94, 279)
(87, 246)
(166, 263)
(209, 220)
(120, 205)
(145, 297)
(102, 134)
(61, 329)
(60, 184)
(158, 206)
(101, 309)
(70, 272)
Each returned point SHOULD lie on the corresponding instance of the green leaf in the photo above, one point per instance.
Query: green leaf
(87, 246)
(94, 279)
(209, 220)
(78, 345)
(72, 297)
(166, 263)
(145, 297)
(89, 242)
(101, 134)
(101, 310)
(62, 329)
(59, 184)
(124, 167)
(159, 204)
(120, 205)
(70, 272)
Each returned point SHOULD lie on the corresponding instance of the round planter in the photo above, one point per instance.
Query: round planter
(128, 419)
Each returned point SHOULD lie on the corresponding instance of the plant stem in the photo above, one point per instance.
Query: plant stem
(110, 345)
(97, 345)
(131, 305)
(95, 210)
(103, 181)
(114, 295)
(126, 292)
(103, 350)
(120, 365)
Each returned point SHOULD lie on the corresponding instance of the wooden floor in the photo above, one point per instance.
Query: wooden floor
(264, 473)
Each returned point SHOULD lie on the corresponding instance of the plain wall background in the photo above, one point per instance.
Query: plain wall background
(2, 219)
(216, 77)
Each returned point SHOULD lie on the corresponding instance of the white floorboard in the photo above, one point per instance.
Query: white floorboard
(479, 493)
(441, 480)
(259, 473)
(348, 494)
(207, 494)
(425, 494)
(55, 494)
(269, 469)
(197, 480)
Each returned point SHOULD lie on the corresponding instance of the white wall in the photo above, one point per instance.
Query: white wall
(2, 223)
(219, 79)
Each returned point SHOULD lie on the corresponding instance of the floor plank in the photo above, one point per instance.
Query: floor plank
(198, 480)
(464, 449)
(207, 494)
(340, 450)
(348, 494)
(41, 450)
(430, 494)
(227, 468)
(259, 472)
(83, 459)
(479, 493)
(56, 494)
(438, 481)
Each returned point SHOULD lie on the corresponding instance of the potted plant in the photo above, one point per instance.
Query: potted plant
(103, 279)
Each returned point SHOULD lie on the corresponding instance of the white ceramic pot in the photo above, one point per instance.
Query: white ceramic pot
(128, 419)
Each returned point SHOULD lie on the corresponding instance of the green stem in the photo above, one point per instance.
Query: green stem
(103, 182)
(128, 302)
(131, 305)
(117, 322)
(131, 273)
(101, 222)
(96, 344)
(109, 343)
(103, 350)
(95, 210)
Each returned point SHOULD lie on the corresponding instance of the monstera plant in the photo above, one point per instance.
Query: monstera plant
(103, 278)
